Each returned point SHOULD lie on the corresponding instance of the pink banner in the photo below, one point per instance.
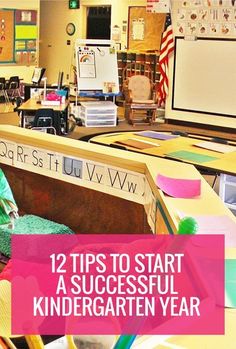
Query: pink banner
(179, 188)
(117, 284)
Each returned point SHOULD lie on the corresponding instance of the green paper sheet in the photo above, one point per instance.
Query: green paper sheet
(190, 156)
(230, 283)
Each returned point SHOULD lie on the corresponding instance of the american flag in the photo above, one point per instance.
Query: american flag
(167, 46)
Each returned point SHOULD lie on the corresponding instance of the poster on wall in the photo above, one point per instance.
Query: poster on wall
(138, 29)
(116, 33)
(7, 36)
(26, 32)
(86, 59)
(205, 18)
(146, 26)
(158, 6)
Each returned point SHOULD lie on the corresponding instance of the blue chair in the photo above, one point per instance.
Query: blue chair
(47, 120)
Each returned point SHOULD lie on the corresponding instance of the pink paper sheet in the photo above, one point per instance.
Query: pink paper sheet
(179, 188)
(218, 225)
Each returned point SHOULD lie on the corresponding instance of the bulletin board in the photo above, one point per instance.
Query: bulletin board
(144, 29)
(26, 32)
(7, 36)
(204, 76)
(18, 39)
(96, 63)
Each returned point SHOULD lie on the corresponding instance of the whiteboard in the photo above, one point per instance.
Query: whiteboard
(97, 68)
(204, 77)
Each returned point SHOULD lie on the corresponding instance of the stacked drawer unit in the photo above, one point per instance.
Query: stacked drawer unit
(98, 114)
(227, 191)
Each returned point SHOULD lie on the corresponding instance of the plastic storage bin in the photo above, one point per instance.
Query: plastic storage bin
(98, 114)
(228, 191)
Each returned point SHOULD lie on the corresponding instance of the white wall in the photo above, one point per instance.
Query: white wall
(55, 54)
(7, 70)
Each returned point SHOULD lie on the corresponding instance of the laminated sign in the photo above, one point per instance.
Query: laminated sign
(158, 6)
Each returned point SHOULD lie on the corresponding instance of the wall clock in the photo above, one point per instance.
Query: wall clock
(70, 29)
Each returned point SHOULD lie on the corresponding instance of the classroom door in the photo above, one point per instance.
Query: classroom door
(99, 22)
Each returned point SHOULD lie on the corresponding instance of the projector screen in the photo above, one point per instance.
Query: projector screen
(204, 78)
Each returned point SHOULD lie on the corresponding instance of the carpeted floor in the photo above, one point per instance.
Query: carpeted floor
(85, 133)
(8, 116)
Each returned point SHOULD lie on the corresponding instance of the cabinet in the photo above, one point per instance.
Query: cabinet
(227, 191)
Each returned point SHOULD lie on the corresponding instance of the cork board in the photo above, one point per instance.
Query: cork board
(18, 36)
(7, 36)
(144, 29)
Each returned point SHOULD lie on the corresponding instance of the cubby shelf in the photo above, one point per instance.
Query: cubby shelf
(152, 59)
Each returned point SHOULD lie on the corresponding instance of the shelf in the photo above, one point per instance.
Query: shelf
(124, 57)
(98, 114)
(228, 190)
(106, 123)
(228, 179)
(231, 206)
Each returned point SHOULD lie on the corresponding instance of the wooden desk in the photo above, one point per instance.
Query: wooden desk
(218, 163)
(31, 105)
(225, 163)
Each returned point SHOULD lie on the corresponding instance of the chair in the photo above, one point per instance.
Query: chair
(13, 87)
(18, 103)
(3, 91)
(139, 92)
(47, 120)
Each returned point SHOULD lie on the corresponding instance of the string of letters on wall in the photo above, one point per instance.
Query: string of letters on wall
(210, 18)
